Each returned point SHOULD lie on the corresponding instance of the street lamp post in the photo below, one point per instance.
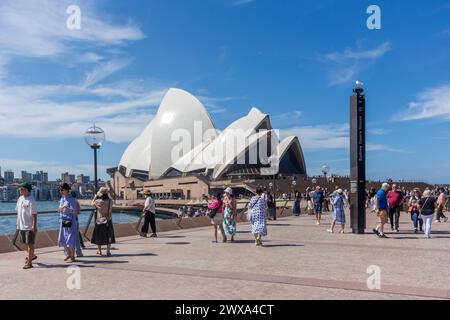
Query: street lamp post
(325, 170)
(294, 183)
(95, 137)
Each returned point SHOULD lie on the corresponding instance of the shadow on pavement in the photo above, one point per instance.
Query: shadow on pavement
(41, 265)
(171, 237)
(133, 255)
(247, 241)
(282, 245)
(178, 243)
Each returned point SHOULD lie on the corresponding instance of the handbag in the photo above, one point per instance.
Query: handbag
(102, 220)
(66, 224)
(213, 212)
(249, 214)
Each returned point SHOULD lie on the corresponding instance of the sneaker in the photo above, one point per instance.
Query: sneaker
(330, 231)
(396, 230)
(376, 231)
(416, 231)
(143, 235)
(437, 221)
(383, 236)
(153, 235)
(318, 223)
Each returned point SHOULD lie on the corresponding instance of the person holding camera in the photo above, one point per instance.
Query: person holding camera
(103, 231)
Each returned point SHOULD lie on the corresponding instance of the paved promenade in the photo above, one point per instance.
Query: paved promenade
(299, 261)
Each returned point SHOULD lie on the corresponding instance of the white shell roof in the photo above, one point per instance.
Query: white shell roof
(286, 144)
(206, 156)
(152, 150)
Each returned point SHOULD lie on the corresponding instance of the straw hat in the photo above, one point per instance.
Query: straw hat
(229, 191)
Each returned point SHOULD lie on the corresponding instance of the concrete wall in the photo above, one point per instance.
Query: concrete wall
(46, 239)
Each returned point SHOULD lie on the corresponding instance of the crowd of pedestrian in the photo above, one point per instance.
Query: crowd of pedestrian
(387, 203)
(69, 237)
(390, 201)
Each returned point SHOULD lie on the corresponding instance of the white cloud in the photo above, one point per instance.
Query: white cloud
(381, 147)
(104, 70)
(91, 57)
(3, 63)
(359, 54)
(38, 28)
(433, 103)
(320, 137)
(236, 3)
(376, 132)
(328, 137)
(287, 119)
(348, 64)
(213, 104)
(57, 111)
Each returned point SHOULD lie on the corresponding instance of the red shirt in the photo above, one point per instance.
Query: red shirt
(394, 198)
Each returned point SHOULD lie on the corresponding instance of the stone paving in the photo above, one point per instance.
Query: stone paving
(299, 260)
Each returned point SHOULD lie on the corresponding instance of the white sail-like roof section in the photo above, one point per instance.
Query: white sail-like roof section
(152, 151)
(292, 143)
(226, 147)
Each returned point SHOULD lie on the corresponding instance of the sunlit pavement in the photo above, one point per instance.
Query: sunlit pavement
(299, 260)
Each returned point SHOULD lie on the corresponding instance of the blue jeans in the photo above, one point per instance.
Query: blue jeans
(417, 220)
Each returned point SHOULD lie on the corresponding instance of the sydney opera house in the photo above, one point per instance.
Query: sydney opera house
(181, 153)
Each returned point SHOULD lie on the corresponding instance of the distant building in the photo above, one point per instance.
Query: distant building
(9, 193)
(82, 179)
(67, 178)
(40, 176)
(9, 176)
(26, 177)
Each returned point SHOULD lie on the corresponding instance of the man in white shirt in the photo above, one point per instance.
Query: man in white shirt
(149, 216)
(26, 209)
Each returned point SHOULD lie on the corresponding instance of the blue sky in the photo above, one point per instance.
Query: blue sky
(296, 60)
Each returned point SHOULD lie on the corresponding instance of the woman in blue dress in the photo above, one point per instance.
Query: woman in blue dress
(68, 230)
(258, 207)
(296, 206)
(338, 201)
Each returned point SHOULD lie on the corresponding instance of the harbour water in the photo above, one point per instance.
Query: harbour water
(51, 221)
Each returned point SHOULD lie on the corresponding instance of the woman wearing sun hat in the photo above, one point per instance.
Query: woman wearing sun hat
(338, 201)
(103, 231)
(229, 213)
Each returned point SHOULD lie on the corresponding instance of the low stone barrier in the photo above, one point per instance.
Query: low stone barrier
(47, 239)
